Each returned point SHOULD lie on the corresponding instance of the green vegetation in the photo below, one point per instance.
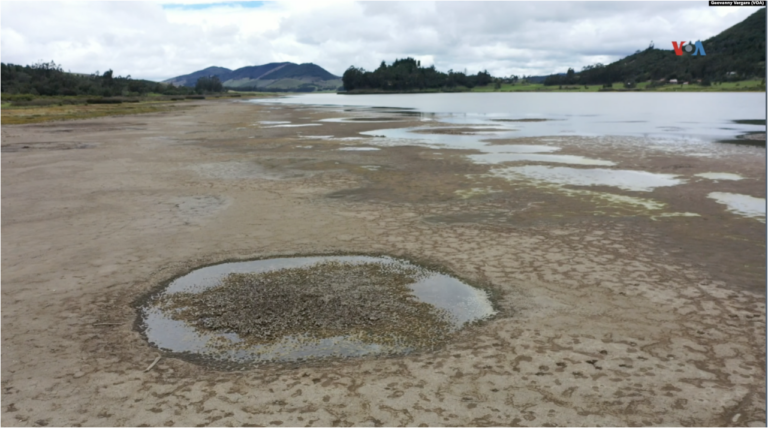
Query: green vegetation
(408, 75)
(49, 79)
(75, 110)
(207, 84)
(737, 53)
(301, 71)
(734, 61)
(44, 92)
(750, 121)
(497, 86)
(26, 108)
(284, 85)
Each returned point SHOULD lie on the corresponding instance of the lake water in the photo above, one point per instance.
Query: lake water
(681, 124)
(688, 116)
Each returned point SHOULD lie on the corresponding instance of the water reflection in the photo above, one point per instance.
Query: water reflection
(640, 181)
(744, 205)
(462, 304)
(688, 116)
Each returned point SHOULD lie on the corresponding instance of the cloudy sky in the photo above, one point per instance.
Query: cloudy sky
(159, 40)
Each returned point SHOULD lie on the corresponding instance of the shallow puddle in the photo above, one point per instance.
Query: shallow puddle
(457, 303)
(496, 158)
(517, 148)
(640, 181)
(743, 205)
(361, 119)
(295, 125)
(492, 152)
(719, 176)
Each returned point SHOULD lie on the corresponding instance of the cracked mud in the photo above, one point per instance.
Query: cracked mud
(611, 310)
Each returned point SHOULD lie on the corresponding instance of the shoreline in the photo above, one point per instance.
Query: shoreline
(526, 91)
(603, 308)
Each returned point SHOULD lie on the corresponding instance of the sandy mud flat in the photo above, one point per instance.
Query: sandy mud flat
(616, 305)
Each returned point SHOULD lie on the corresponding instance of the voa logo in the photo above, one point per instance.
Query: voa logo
(691, 48)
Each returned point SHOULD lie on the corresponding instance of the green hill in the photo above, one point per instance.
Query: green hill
(735, 54)
(276, 76)
(189, 80)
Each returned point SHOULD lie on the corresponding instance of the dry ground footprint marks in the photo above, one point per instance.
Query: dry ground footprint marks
(60, 368)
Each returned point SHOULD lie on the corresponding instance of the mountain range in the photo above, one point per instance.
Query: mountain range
(275, 76)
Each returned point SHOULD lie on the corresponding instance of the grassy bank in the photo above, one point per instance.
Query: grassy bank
(742, 86)
(20, 109)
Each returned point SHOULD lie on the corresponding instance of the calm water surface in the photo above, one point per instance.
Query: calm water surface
(691, 116)
(680, 123)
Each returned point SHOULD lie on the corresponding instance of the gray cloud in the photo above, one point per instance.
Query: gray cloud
(147, 40)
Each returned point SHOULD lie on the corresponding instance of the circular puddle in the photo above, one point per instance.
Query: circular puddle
(305, 308)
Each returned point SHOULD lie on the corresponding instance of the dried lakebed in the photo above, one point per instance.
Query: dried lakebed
(306, 308)
(611, 311)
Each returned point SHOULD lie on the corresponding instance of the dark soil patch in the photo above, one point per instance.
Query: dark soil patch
(12, 148)
(750, 139)
(321, 301)
(750, 121)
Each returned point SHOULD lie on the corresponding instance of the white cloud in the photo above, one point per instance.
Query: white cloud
(160, 40)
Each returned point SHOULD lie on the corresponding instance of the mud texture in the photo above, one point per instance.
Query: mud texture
(368, 300)
(609, 312)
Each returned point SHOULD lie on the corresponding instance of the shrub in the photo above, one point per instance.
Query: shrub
(37, 102)
(104, 101)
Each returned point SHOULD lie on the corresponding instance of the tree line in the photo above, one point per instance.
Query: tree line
(208, 84)
(408, 74)
(48, 78)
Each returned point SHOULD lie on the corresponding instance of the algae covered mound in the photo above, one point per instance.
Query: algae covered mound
(328, 299)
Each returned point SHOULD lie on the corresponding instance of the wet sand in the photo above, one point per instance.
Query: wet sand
(609, 312)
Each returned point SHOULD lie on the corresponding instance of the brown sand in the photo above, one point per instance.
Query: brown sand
(608, 317)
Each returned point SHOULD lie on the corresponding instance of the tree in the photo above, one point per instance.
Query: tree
(208, 84)
(570, 76)
(408, 74)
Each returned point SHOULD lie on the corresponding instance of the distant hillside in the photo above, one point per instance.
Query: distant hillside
(190, 79)
(736, 53)
(276, 76)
